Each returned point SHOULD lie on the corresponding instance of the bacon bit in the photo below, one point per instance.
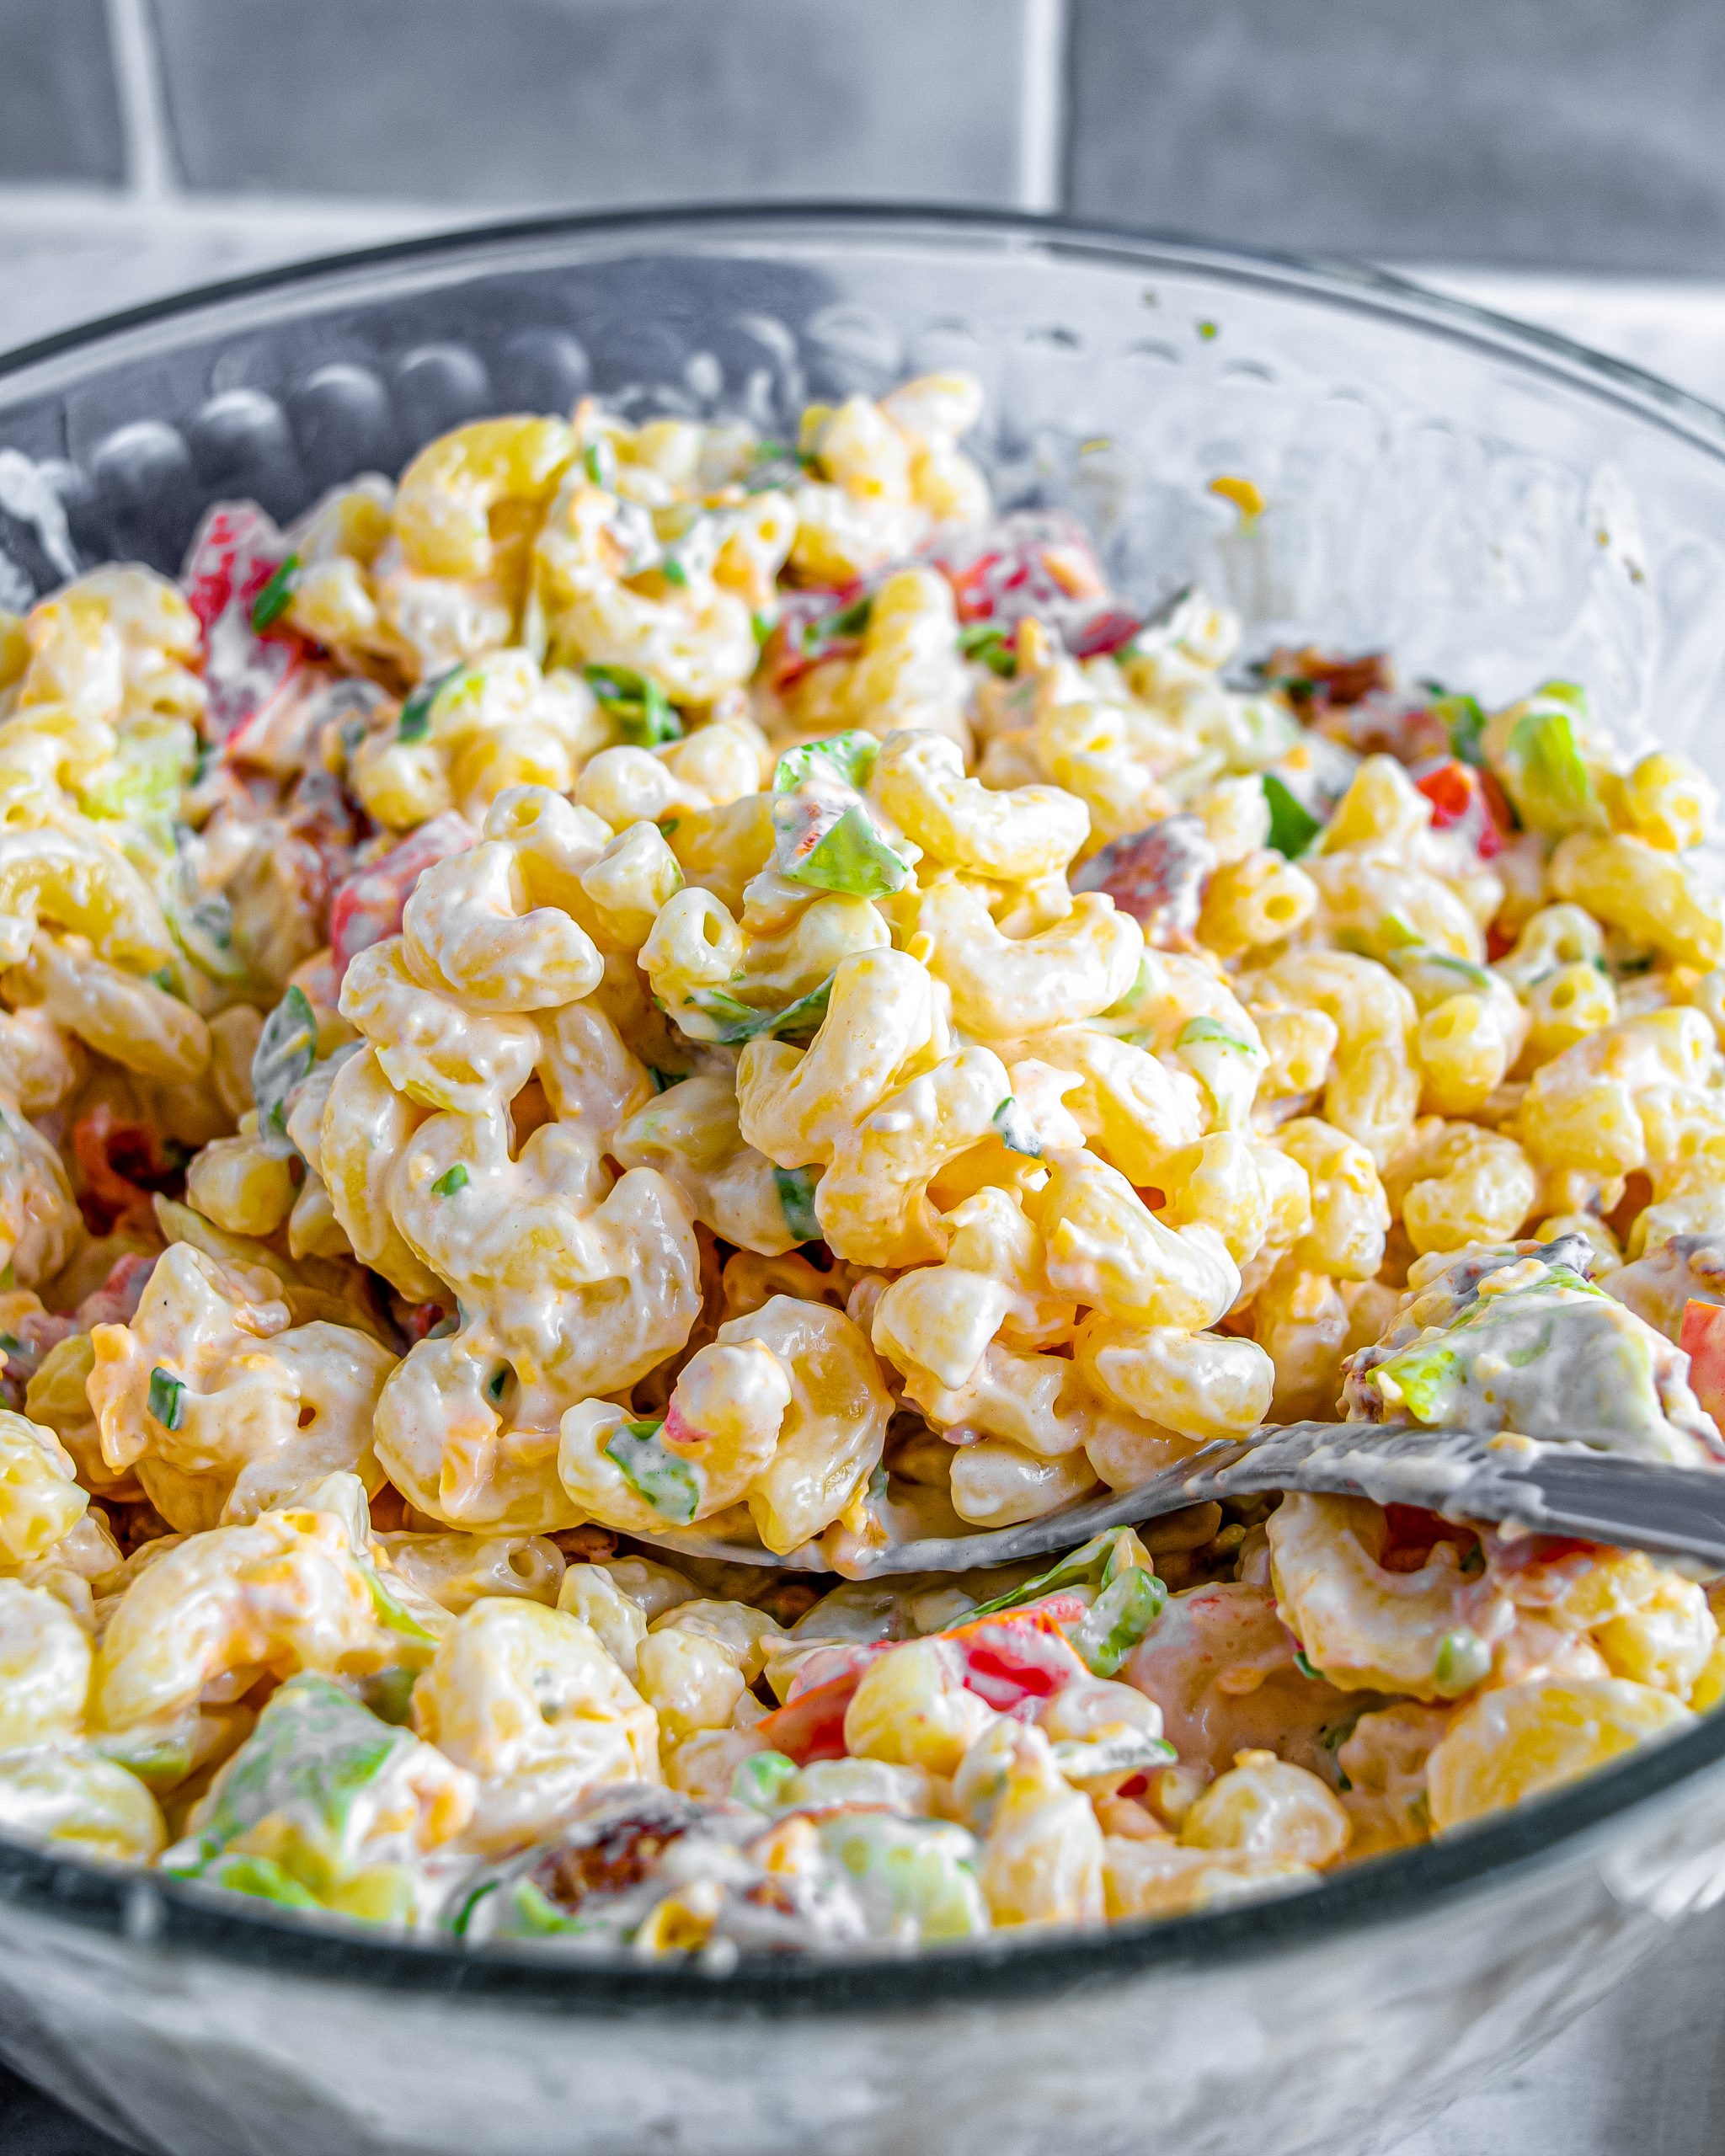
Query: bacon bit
(1316, 680)
(120, 1164)
(621, 1856)
(1157, 876)
(115, 1302)
(586, 1545)
(1414, 1533)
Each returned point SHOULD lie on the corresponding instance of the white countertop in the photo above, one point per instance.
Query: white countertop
(1646, 2070)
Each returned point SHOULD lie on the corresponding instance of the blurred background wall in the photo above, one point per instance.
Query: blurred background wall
(1565, 158)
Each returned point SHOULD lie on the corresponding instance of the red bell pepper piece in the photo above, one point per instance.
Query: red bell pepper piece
(1461, 800)
(369, 905)
(247, 669)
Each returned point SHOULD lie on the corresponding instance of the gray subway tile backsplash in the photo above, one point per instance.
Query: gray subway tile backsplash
(59, 107)
(595, 102)
(1580, 133)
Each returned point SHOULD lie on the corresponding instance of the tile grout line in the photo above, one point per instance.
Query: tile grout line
(1041, 104)
(150, 166)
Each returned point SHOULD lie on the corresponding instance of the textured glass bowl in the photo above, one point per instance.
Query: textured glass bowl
(1493, 506)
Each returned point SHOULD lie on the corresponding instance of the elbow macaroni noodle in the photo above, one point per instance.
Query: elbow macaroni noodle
(642, 982)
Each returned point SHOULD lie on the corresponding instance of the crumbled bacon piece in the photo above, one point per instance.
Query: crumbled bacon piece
(1157, 876)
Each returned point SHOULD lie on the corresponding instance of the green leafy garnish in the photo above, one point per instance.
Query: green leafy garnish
(1014, 1126)
(843, 759)
(450, 1181)
(741, 1022)
(1544, 771)
(796, 1198)
(599, 462)
(497, 1382)
(1118, 1619)
(636, 706)
(1423, 1379)
(1293, 827)
(273, 601)
(166, 1399)
(286, 1050)
(672, 570)
(1463, 719)
(983, 641)
(1304, 1664)
(850, 857)
(662, 1479)
(1096, 1563)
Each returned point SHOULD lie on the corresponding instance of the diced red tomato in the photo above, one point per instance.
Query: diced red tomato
(1702, 1339)
(1461, 800)
(368, 907)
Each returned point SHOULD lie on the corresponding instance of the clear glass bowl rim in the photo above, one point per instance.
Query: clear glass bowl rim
(183, 1916)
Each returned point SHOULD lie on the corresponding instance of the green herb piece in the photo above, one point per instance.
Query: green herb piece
(635, 705)
(850, 857)
(983, 641)
(660, 1478)
(760, 1780)
(258, 1876)
(740, 1021)
(1210, 1029)
(1464, 720)
(166, 1399)
(672, 570)
(1544, 771)
(849, 622)
(916, 1878)
(599, 462)
(1118, 1619)
(662, 1080)
(450, 1181)
(143, 779)
(841, 760)
(1304, 1664)
(1016, 1130)
(415, 723)
(10, 1344)
(1293, 827)
(497, 1382)
(286, 1050)
(796, 1198)
(1474, 1563)
(1464, 1660)
(762, 628)
(273, 601)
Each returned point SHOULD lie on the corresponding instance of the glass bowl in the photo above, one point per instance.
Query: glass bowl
(1492, 506)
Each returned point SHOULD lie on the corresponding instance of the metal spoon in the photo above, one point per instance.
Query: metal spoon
(1569, 1488)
